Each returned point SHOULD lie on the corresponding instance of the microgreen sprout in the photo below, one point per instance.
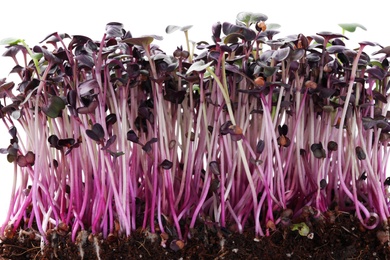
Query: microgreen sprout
(249, 130)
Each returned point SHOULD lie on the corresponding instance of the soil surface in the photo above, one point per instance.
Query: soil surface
(334, 236)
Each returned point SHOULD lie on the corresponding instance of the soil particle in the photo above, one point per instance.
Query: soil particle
(341, 238)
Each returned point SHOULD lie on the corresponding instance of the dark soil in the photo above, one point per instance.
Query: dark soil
(333, 237)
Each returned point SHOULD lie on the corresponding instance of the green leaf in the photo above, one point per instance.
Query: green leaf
(37, 56)
(56, 105)
(273, 26)
(376, 63)
(249, 18)
(233, 38)
(351, 27)
(196, 88)
(269, 71)
(116, 154)
(10, 41)
(171, 28)
(198, 66)
(185, 28)
(302, 228)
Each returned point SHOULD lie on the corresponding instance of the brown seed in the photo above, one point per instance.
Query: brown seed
(271, 225)
(236, 129)
(287, 213)
(62, 229)
(259, 81)
(9, 231)
(310, 84)
(331, 216)
(303, 42)
(327, 68)
(382, 236)
(111, 238)
(262, 25)
(90, 237)
(176, 245)
(164, 236)
(172, 144)
(362, 228)
(117, 226)
(180, 244)
(31, 235)
(63, 226)
(284, 141)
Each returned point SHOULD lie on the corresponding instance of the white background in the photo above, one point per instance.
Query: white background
(34, 20)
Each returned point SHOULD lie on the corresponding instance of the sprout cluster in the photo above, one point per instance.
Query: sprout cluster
(247, 130)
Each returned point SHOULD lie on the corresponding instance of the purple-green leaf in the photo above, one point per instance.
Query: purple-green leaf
(140, 41)
(281, 54)
(248, 34)
(55, 106)
(249, 18)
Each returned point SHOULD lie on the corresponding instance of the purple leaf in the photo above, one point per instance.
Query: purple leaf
(148, 146)
(132, 136)
(260, 146)
(111, 119)
(361, 155)
(98, 129)
(66, 142)
(332, 146)
(318, 150)
(379, 96)
(246, 33)
(97, 133)
(88, 109)
(89, 87)
(50, 57)
(283, 130)
(109, 142)
(216, 31)
(214, 168)
(78, 40)
(225, 128)
(114, 30)
(335, 49)
(53, 141)
(166, 164)
(376, 73)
